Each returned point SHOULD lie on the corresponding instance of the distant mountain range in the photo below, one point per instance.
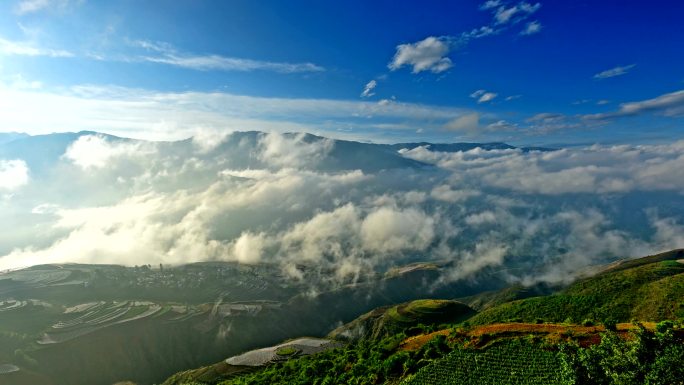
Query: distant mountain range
(41, 151)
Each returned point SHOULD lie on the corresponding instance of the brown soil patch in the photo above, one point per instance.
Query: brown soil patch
(417, 342)
(480, 335)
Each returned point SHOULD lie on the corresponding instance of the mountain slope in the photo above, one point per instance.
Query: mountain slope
(647, 289)
(390, 320)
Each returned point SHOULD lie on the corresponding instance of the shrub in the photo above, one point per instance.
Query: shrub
(610, 324)
(664, 326)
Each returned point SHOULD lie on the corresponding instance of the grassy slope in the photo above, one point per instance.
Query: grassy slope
(489, 299)
(648, 289)
(391, 320)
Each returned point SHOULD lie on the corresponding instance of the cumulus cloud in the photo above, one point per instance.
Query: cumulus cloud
(390, 230)
(429, 54)
(13, 174)
(292, 151)
(207, 139)
(432, 53)
(96, 151)
(249, 248)
(613, 72)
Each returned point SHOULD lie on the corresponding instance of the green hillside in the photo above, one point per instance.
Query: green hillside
(390, 320)
(645, 289)
(518, 337)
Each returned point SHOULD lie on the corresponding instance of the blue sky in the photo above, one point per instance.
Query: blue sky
(523, 72)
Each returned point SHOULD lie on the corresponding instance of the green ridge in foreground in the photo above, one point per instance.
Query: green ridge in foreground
(646, 289)
(509, 362)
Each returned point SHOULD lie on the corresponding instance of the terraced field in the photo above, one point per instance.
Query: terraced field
(511, 362)
(11, 305)
(94, 316)
(8, 368)
(300, 346)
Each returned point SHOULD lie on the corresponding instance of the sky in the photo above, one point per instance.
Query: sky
(600, 82)
(524, 72)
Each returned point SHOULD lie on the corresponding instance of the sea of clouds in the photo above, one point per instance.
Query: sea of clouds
(537, 216)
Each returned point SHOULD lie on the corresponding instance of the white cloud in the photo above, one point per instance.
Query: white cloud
(595, 170)
(249, 248)
(217, 62)
(515, 13)
(500, 126)
(32, 6)
(429, 54)
(483, 218)
(283, 151)
(28, 6)
(468, 123)
(613, 72)
(477, 33)
(153, 115)
(487, 97)
(13, 174)
(95, 151)
(167, 54)
(446, 194)
(483, 96)
(20, 48)
(368, 89)
(489, 4)
(551, 211)
(671, 104)
(207, 139)
(389, 230)
(485, 254)
(531, 28)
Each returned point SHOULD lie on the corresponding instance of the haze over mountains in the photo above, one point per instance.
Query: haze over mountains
(350, 209)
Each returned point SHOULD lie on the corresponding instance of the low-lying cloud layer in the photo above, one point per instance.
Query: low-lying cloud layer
(294, 200)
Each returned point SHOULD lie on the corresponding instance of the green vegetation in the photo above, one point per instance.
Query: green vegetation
(643, 357)
(507, 362)
(409, 341)
(286, 351)
(412, 317)
(644, 291)
(648, 357)
(364, 363)
(651, 289)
